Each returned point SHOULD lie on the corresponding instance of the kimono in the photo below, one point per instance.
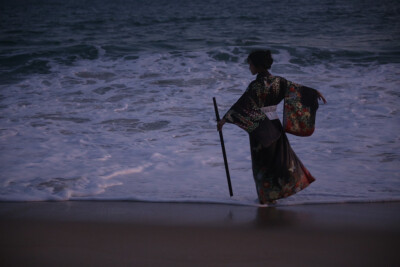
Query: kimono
(277, 171)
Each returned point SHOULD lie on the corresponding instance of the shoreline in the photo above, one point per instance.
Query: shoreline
(97, 233)
(208, 202)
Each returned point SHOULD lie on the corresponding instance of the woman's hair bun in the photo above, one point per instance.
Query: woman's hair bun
(261, 59)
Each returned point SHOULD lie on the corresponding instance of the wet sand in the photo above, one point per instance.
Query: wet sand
(94, 233)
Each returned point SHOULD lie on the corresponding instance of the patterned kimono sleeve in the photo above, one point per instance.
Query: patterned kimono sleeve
(299, 113)
(246, 112)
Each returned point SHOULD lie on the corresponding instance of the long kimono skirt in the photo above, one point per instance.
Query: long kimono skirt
(277, 171)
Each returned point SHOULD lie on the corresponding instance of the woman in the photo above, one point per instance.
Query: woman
(277, 171)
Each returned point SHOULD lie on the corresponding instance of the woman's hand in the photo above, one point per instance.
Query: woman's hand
(220, 124)
(321, 97)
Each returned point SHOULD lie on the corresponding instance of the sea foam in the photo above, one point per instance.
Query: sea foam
(89, 111)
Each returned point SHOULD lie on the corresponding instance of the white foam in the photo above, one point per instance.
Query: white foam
(126, 172)
(122, 109)
(144, 129)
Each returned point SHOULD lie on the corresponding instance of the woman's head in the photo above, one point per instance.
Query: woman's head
(261, 60)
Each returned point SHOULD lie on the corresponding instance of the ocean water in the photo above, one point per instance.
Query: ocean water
(105, 100)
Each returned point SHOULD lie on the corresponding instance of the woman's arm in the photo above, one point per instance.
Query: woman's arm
(245, 113)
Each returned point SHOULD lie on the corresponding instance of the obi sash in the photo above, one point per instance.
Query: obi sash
(270, 111)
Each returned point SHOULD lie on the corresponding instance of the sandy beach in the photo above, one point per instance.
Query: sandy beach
(95, 233)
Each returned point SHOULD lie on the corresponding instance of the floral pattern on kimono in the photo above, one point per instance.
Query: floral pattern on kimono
(277, 171)
(301, 104)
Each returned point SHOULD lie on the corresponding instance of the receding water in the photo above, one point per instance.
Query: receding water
(104, 100)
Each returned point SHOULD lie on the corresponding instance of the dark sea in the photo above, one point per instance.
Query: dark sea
(112, 100)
